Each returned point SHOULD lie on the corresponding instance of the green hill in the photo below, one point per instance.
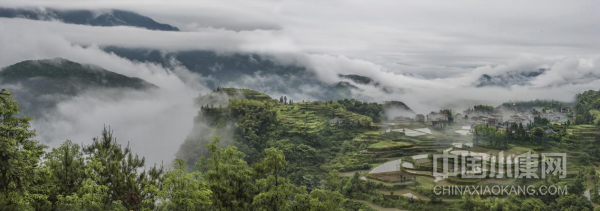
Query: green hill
(40, 84)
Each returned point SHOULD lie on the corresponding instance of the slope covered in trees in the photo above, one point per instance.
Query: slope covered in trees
(108, 176)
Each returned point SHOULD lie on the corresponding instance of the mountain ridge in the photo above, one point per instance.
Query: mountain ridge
(106, 18)
(41, 84)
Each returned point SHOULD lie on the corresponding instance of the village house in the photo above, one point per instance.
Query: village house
(336, 120)
(402, 119)
(491, 121)
(549, 132)
(498, 117)
(439, 123)
(436, 117)
(458, 116)
(420, 118)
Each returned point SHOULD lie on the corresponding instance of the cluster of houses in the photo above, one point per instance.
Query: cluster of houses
(520, 117)
(500, 120)
(422, 118)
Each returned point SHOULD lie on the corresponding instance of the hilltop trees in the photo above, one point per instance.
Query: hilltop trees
(373, 110)
(483, 109)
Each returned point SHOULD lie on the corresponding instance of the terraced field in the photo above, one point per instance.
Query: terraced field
(244, 93)
(312, 116)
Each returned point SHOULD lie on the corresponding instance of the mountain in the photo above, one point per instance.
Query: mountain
(241, 70)
(397, 105)
(252, 71)
(509, 78)
(41, 84)
(223, 67)
(88, 17)
(359, 79)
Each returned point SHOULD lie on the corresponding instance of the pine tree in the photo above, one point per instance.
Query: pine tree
(119, 170)
(67, 170)
(275, 192)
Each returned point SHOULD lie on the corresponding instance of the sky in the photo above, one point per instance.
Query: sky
(435, 51)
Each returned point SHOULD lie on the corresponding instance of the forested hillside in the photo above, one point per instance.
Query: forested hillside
(108, 176)
(40, 84)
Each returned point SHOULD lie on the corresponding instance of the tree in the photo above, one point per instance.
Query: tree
(537, 134)
(228, 177)
(67, 170)
(521, 134)
(573, 202)
(119, 170)
(324, 200)
(273, 163)
(274, 192)
(533, 204)
(183, 190)
(19, 155)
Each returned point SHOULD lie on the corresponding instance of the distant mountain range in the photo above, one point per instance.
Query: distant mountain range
(222, 67)
(40, 84)
(88, 17)
(252, 71)
(509, 78)
(359, 79)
